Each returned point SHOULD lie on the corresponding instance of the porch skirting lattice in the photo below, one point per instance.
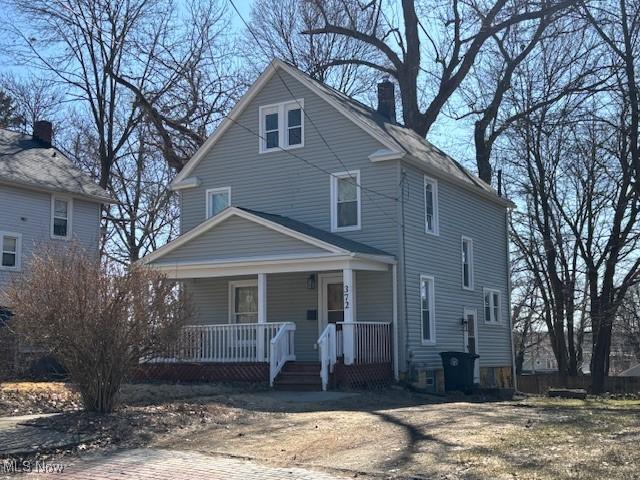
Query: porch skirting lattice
(363, 376)
(254, 372)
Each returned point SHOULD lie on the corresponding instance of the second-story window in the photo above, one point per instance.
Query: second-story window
(10, 250)
(431, 205)
(345, 201)
(61, 208)
(282, 126)
(217, 200)
(467, 263)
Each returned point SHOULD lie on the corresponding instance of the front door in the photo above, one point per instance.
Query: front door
(471, 338)
(330, 300)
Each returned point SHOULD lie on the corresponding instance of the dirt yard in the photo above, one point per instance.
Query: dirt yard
(391, 434)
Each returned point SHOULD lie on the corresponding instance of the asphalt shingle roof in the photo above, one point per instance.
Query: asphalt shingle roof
(322, 235)
(25, 161)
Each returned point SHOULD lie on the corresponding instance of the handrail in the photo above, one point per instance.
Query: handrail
(328, 355)
(223, 343)
(282, 350)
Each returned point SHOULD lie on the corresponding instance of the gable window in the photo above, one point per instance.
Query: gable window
(345, 201)
(467, 263)
(243, 301)
(217, 200)
(492, 302)
(431, 205)
(61, 208)
(282, 126)
(427, 310)
(10, 246)
(294, 125)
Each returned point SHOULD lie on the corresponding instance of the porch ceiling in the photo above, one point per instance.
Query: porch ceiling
(245, 242)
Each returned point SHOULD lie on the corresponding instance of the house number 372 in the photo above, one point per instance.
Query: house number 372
(347, 297)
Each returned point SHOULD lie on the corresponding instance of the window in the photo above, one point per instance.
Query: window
(427, 310)
(61, 209)
(492, 312)
(10, 246)
(345, 201)
(243, 301)
(282, 126)
(467, 263)
(431, 205)
(217, 200)
(294, 125)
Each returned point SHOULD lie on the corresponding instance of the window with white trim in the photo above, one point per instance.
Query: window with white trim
(345, 201)
(282, 126)
(492, 301)
(467, 263)
(61, 209)
(10, 250)
(217, 200)
(243, 301)
(431, 205)
(427, 310)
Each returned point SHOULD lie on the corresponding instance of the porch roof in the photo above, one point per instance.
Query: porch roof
(241, 241)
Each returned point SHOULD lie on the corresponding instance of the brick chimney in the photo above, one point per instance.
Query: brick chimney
(42, 132)
(387, 99)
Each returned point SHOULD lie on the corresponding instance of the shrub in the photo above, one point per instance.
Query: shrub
(98, 321)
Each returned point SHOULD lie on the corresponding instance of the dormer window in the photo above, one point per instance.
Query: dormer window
(282, 126)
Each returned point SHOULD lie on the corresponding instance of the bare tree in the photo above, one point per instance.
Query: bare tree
(453, 33)
(34, 98)
(276, 30)
(99, 322)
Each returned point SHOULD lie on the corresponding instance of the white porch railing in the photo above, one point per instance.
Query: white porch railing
(235, 342)
(371, 341)
(327, 347)
(282, 350)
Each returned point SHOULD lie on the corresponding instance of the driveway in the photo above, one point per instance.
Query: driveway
(161, 464)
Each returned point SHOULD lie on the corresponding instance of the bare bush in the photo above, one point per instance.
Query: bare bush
(99, 322)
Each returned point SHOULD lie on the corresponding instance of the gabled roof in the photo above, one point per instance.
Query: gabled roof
(398, 140)
(27, 162)
(319, 234)
(329, 242)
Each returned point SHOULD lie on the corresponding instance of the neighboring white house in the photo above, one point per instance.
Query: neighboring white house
(320, 235)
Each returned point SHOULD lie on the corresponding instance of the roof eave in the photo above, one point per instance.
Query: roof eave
(42, 188)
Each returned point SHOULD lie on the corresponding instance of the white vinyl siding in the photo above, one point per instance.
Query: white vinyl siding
(345, 201)
(492, 306)
(10, 251)
(467, 263)
(61, 214)
(217, 200)
(281, 126)
(431, 205)
(427, 310)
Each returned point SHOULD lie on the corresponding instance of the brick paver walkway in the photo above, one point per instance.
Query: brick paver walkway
(158, 464)
(18, 436)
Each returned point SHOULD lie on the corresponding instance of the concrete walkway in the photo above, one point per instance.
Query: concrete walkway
(159, 464)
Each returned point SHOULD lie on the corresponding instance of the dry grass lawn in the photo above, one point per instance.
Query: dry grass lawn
(398, 435)
(392, 434)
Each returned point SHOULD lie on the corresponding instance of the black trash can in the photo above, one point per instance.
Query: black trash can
(458, 370)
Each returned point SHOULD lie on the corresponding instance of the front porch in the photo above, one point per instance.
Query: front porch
(332, 308)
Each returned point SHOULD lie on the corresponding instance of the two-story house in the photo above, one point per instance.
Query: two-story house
(44, 200)
(320, 236)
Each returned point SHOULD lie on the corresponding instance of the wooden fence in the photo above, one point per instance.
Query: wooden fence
(542, 382)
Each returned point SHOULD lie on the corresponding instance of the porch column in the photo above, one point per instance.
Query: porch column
(349, 316)
(262, 317)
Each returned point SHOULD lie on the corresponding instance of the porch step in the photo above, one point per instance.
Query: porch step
(299, 376)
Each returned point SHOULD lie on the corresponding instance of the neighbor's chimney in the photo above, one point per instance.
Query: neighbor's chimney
(43, 131)
(387, 99)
